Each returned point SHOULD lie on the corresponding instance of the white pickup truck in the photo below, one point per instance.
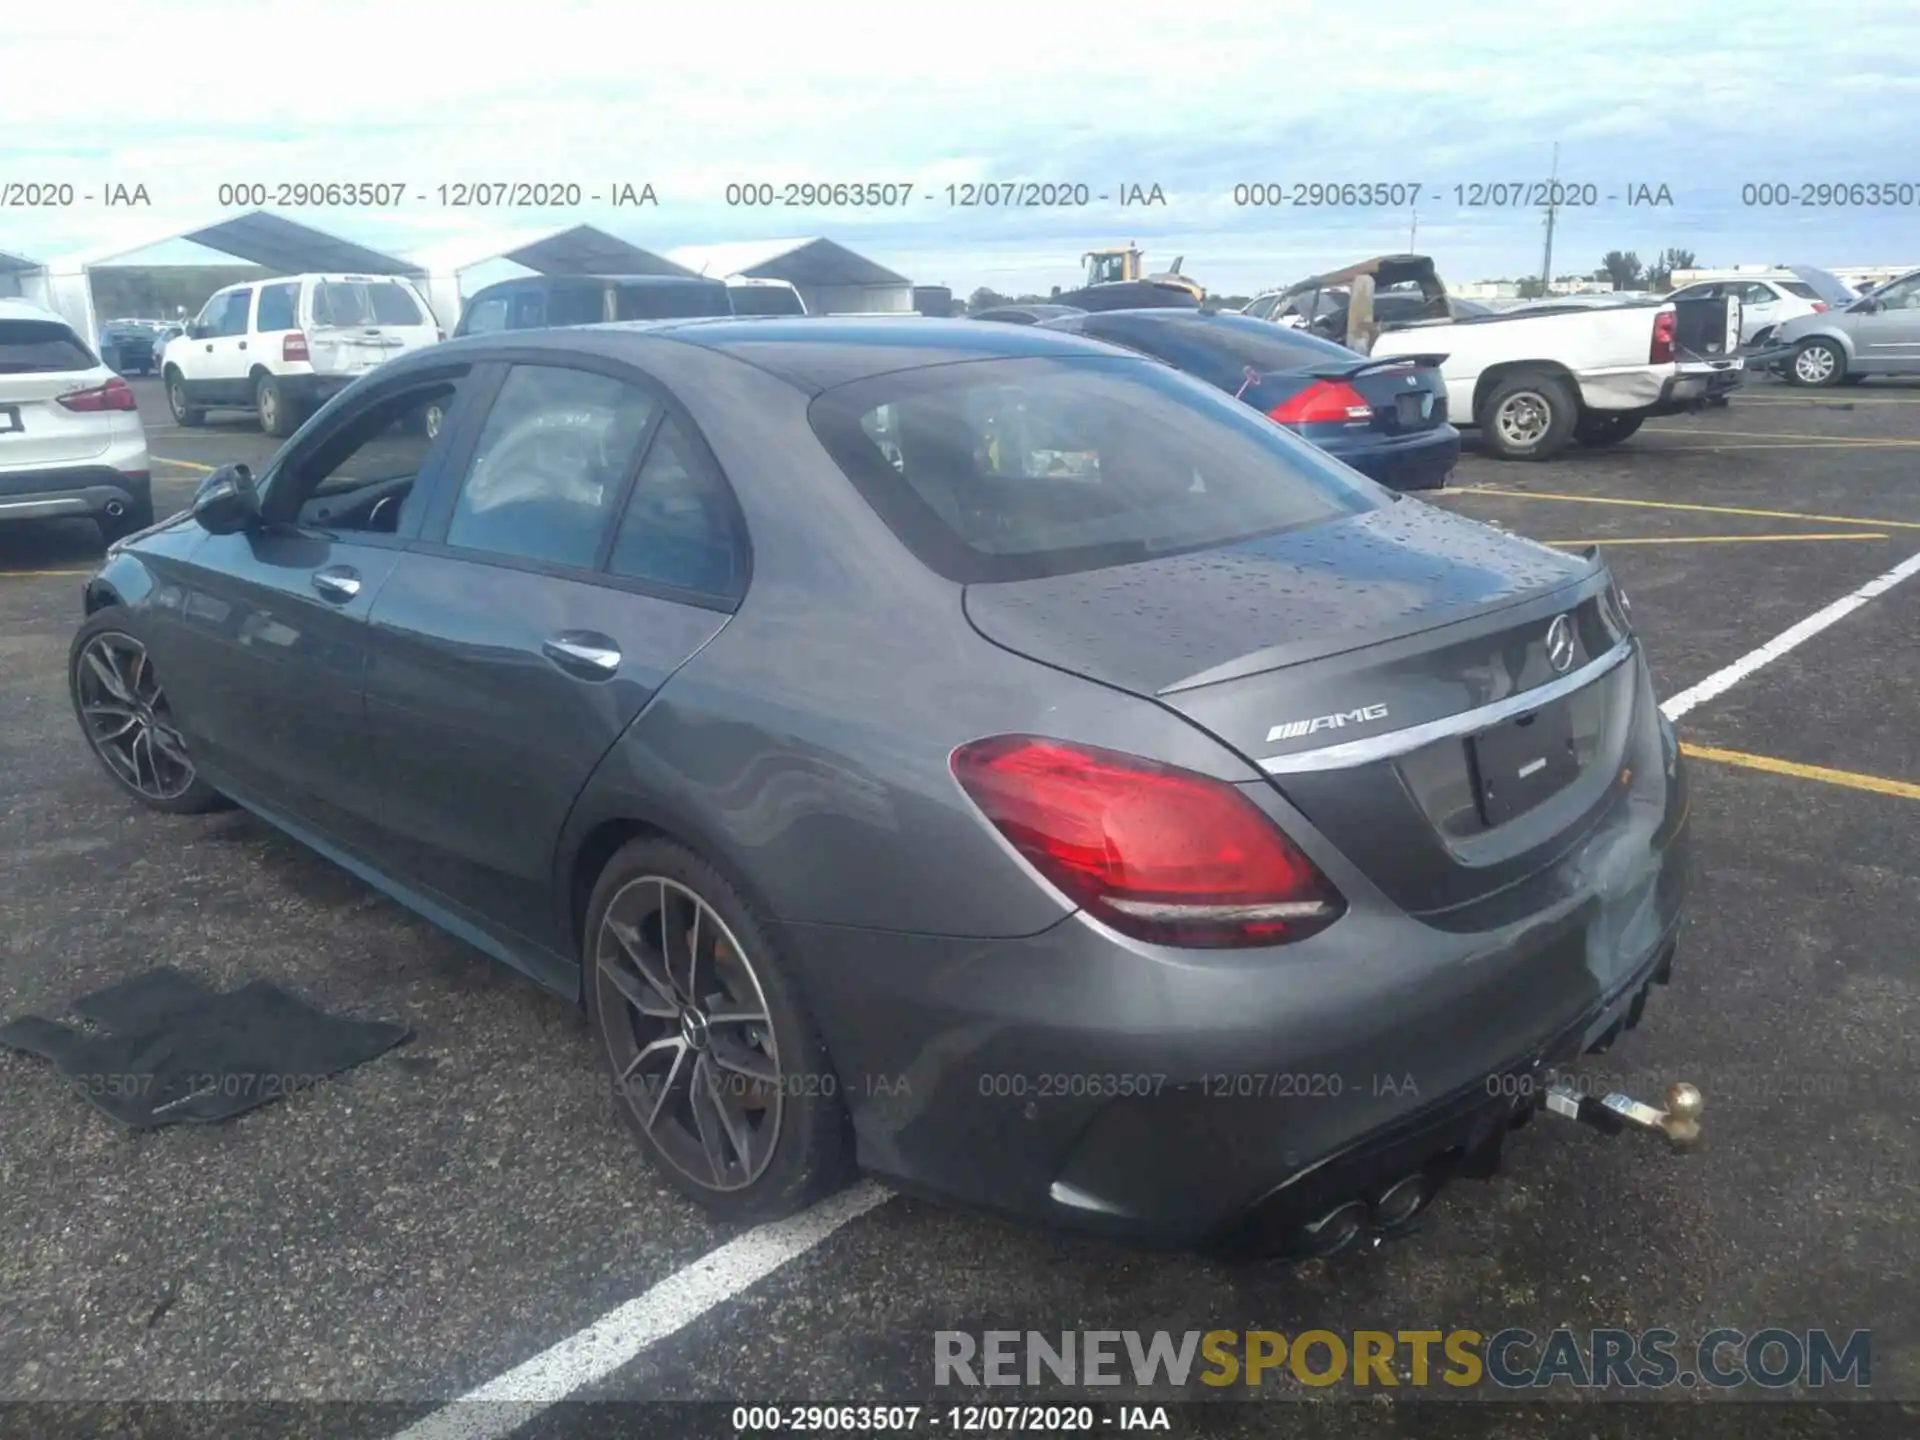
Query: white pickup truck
(1538, 378)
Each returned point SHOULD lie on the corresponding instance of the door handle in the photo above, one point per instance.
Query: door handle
(338, 583)
(584, 653)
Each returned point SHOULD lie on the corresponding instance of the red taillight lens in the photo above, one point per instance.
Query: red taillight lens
(294, 347)
(1663, 332)
(1818, 306)
(1157, 852)
(439, 334)
(1321, 402)
(116, 394)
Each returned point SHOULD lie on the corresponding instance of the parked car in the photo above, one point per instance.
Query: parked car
(163, 333)
(71, 441)
(1027, 314)
(1878, 334)
(1112, 731)
(1766, 301)
(1386, 418)
(282, 347)
(1541, 377)
(751, 295)
(539, 302)
(126, 346)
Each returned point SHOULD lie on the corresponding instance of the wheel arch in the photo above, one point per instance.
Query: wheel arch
(1494, 375)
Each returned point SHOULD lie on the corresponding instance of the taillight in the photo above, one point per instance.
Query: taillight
(116, 394)
(1818, 306)
(1157, 852)
(439, 334)
(294, 347)
(1663, 332)
(1320, 402)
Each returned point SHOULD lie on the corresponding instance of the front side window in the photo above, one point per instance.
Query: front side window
(1900, 295)
(1005, 469)
(231, 317)
(484, 316)
(551, 465)
(362, 476)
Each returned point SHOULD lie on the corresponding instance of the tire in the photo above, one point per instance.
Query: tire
(138, 517)
(1546, 405)
(276, 411)
(175, 787)
(1599, 428)
(809, 1150)
(183, 413)
(1817, 364)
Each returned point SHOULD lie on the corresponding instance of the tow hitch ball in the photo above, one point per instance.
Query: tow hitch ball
(1679, 1122)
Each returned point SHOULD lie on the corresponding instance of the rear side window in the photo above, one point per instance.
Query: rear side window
(576, 305)
(29, 347)
(485, 315)
(551, 465)
(679, 528)
(670, 302)
(529, 310)
(1008, 469)
(1800, 288)
(279, 308)
(363, 302)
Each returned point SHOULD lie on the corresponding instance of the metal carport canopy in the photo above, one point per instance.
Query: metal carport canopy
(574, 250)
(259, 237)
(12, 269)
(816, 265)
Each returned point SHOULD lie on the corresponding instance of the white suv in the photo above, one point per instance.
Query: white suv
(1766, 301)
(284, 347)
(71, 441)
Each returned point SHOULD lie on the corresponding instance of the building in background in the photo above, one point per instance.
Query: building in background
(831, 279)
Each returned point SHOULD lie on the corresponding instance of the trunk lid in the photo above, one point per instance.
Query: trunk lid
(1404, 395)
(355, 323)
(35, 429)
(1375, 631)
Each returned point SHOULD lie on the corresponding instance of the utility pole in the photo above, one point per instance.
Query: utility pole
(1546, 263)
(1413, 235)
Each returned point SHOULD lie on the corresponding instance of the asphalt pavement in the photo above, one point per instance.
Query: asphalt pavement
(435, 1218)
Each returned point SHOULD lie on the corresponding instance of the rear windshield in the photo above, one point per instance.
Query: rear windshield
(765, 300)
(363, 302)
(1221, 351)
(669, 302)
(1010, 469)
(1800, 288)
(41, 346)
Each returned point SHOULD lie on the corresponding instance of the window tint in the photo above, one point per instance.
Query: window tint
(211, 312)
(361, 476)
(550, 466)
(1800, 288)
(670, 302)
(529, 309)
(40, 346)
(1696, 292)
(576, 305)
(232, 319)
(485, 315)
(1900, 295)
(279, 308)
(1003, 469)
(1754, 293)
(1263, 307)
(363, 302)
(678, 529)
(765, 300)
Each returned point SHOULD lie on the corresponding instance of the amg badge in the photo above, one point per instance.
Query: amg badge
(1294, 729)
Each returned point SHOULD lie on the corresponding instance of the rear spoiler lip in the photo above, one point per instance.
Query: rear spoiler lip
(1343, 371)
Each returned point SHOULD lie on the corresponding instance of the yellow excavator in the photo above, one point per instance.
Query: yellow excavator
(1117, 279)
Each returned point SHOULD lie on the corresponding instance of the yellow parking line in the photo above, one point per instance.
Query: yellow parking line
(1696, 432)
(1676, 505)
(1714, 539)
(1847, 778)
(38, 574)
(1797, 445)
(185, 464)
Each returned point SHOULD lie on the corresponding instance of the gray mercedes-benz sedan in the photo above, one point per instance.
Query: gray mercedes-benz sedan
(972, 754)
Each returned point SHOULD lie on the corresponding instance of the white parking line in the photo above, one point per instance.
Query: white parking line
(1723, 680)
(503, 1405)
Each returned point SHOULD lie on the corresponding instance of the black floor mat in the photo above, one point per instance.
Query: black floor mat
(169, 1049)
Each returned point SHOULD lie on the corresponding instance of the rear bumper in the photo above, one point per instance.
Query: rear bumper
(1077, 1078)
(1696, 385)
(313, 390)
(76, 490)
(1417, 462)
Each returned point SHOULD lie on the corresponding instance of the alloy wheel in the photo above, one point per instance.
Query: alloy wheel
(1524, 419)
(686, 1024)
(127, 719)
(269, 408)
(1814, 365)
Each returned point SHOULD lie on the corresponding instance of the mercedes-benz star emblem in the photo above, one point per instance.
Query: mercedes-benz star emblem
(1560, 644)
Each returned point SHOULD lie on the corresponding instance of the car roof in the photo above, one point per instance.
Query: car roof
(812, 352)
(13, 308)
(638, 281)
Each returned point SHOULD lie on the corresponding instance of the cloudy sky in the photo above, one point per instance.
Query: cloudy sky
(182, 96)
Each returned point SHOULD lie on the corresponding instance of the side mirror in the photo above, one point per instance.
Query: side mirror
(227, 502)
(1865, 305)
(197, 332)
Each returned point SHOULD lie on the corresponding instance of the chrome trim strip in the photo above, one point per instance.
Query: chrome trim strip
(1347, 755)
